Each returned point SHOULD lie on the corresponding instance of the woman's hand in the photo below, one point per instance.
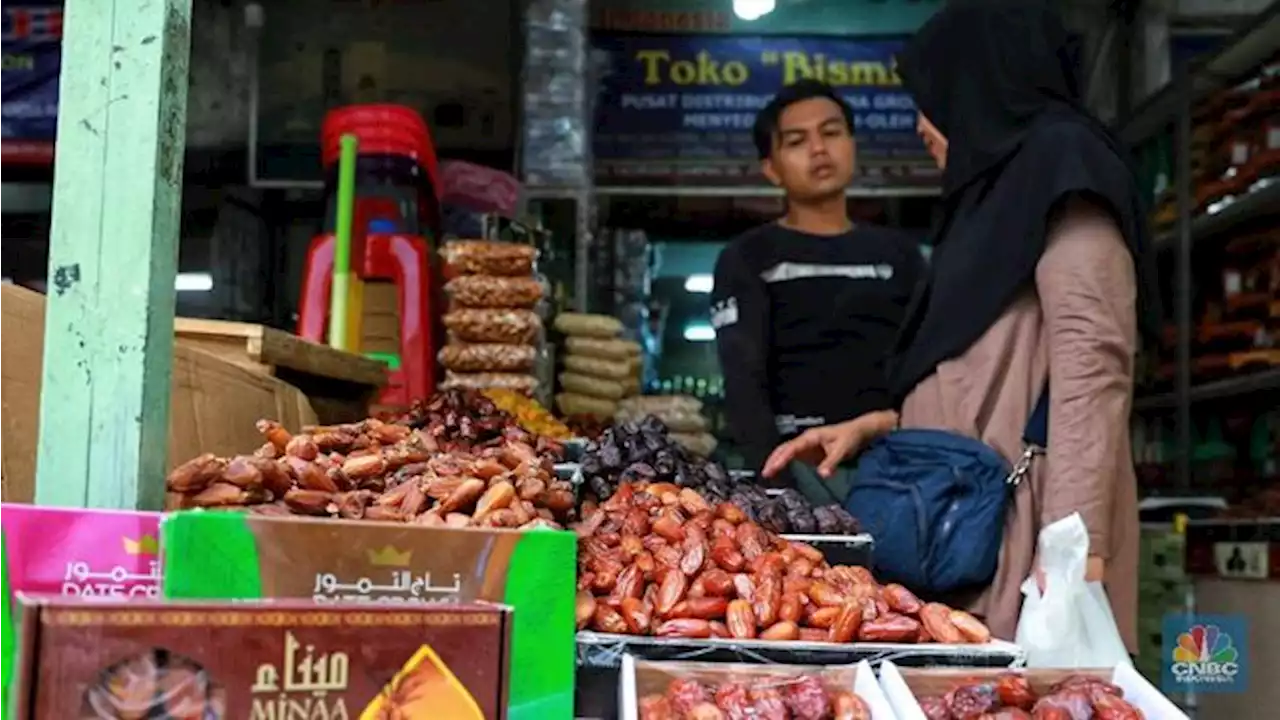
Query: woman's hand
(829, 445)
(1095, 570)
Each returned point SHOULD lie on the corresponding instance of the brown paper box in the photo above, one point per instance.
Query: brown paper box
(213, 403)
(262, 660)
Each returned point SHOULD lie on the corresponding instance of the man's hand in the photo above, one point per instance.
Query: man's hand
(826, 446)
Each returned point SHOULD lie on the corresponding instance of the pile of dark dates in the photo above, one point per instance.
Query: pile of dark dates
(643, 451)
(789, 512)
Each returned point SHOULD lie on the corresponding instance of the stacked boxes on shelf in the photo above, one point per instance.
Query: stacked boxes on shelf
(1163, 588)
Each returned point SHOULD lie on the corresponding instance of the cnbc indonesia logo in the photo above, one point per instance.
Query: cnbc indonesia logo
(1205, 654)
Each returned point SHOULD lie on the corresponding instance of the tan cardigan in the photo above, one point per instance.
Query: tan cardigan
(1078, 327)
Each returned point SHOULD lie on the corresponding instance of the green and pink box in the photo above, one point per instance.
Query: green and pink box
(74, 553)
(238, 556)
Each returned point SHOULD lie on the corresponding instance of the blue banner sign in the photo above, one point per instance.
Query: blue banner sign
(679, 108)
(32, 57)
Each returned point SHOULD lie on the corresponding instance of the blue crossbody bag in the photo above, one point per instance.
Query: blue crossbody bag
(935, 503)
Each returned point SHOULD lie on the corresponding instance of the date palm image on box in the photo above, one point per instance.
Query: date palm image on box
(156, 683)
(424, 688)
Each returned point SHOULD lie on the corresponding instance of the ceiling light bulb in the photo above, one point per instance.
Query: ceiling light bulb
(699, 283)
(750, 10)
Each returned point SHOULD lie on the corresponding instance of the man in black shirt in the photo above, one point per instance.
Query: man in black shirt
(807, 307)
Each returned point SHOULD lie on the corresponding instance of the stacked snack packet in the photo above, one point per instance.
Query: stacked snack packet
(494, 332)
(600, 369)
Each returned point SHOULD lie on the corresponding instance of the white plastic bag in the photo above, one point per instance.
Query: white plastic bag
(1071, 625)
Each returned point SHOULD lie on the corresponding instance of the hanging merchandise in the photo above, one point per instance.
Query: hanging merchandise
(556, 148)
(632, 275)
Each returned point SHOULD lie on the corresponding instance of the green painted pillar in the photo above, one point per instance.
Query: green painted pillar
(113, 249)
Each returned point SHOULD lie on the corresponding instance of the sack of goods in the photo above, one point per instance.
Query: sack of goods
(680, 413)
(600, 368)
(494, 333)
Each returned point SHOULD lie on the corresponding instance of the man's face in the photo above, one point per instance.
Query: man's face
(813, 151)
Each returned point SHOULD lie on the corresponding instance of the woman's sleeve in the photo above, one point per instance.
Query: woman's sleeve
(1088, 294)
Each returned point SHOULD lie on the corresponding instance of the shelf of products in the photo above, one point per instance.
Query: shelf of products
(1216, 180)
(1251, 205)
(1265, 381)
(1240, 55)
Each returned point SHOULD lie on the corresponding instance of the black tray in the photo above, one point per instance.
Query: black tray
(841, 549)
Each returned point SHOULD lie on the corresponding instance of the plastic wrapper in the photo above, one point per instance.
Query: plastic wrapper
(570, 404)
(487, 257)
(655, 404)
(484, 380)
(488, 357)
(619, 370)
(1120, 693)
(491, 291)
(608, 349)
(493, 326)
(594, 387)
(663, 690)
(1071, 625)
(588, 325)
(156, 683)
(698, 443)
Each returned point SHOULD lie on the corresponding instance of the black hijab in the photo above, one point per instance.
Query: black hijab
(997, 79)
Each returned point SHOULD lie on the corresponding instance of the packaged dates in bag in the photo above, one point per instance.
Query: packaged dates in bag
(485, 257)
(588, 325)
(484, 380)
(487, 357)
(571, 404)
(608, 349)
(491, 291)
(619, 370)
(593, 387)
(514, 327)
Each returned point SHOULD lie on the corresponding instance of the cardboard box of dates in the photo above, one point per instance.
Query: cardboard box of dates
(210, 661)
(1116, 694)
(222, 555)
(706, 691)
(73, 552)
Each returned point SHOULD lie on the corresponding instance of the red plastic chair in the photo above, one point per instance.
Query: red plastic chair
(398, 257)
(403, 260)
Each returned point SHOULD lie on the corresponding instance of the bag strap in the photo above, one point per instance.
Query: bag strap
(1035, 438)
(1037, 430)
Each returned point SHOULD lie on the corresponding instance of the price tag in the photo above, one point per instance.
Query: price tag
(1239, 153)
(1242, 560)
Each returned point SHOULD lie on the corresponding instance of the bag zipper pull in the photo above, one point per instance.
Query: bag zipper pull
(1023, 466)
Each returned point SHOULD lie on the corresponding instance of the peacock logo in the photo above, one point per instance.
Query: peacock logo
(1205, 654)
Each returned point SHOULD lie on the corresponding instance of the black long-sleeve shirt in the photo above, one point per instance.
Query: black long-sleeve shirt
(804, 324)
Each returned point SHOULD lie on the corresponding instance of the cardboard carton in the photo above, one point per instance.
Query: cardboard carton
(224, 555)
(213, 404)
(102, 554)
(262, 660)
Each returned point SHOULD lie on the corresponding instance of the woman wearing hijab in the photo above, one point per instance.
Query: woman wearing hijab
(1034, 283)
